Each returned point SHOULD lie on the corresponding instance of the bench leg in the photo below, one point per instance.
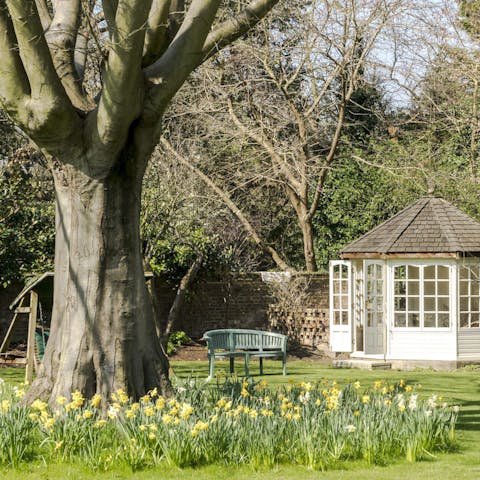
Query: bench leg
(247, 372)
(284, 361)
(232, 368)
(261, 365)
(210, 366)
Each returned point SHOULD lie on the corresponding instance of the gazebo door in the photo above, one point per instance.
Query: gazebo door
(340, 306)
(374, 307)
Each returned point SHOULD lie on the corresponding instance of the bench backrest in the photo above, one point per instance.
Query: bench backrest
(232, 339)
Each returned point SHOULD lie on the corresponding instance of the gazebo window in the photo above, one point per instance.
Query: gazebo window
(421, 296)
(469, 296)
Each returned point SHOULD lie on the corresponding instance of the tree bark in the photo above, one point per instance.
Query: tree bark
(308, 245)
(103, 331)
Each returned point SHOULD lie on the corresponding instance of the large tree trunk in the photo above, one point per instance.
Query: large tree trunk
(102, 333)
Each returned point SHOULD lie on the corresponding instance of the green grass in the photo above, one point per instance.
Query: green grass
(460, 387)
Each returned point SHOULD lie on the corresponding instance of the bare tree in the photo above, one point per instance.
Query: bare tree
(103, 335)
(285, 108)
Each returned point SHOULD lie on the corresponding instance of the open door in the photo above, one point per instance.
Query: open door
(340, 306)
(374, 308)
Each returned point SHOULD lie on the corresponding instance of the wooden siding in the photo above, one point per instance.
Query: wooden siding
(422, 345)
(469, 344)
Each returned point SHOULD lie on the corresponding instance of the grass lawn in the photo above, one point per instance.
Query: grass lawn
(461, 387)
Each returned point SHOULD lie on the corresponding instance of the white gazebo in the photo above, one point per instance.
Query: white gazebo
(408, 291)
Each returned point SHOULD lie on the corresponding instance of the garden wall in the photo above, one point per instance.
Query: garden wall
(247, 301)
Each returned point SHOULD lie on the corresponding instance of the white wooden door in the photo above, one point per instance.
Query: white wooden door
(374, 307)
(340, 306)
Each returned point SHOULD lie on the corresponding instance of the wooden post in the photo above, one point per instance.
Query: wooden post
(32, 325)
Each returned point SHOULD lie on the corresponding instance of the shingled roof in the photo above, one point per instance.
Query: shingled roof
(430, 225)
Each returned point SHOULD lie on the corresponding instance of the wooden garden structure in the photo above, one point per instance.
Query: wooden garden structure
(31, 312)
(409, 290)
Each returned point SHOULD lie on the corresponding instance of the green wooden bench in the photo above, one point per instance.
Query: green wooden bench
(231, 343)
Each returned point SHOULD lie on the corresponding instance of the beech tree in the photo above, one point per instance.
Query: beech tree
(102, 332)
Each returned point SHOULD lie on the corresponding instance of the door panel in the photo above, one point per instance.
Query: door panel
(340, 306)
(374, 307)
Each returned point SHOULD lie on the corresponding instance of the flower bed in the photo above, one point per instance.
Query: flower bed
(234, 422)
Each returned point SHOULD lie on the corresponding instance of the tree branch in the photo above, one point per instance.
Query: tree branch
(122, 95)
(184, 54)
(182, 290)
(44, 14)
(14, 87)
(262, 243)
(269, 148)
(55, 117)
(156, 36)
(235, 27)
(34, 51)
(61, 38)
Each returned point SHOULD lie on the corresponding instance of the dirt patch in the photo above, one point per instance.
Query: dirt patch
(198, 351)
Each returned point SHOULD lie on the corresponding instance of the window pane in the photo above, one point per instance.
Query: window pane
(443, 320)
(429, 288)
(474, 304)
(474, 320)
(336, 318)
(464, 273)
(413, 320)
(413, 288)
(464, 320)
(429, 320)
(464, 304)
(369, 319)
(345, 286)
(443, 304)
(400, 303)
(400, 272)
(336, 302)
(344, 318)
(400, 320)
(442, 288)
(344, 271)
(429, 272)
(464, 288)
(400, 288)
(429, 305)
(442, 272)
(474, 287)
(413, 304)
(413, 272)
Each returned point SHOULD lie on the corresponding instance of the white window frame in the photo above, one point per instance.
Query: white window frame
(341, 339)
(452, 279)
(467, 264)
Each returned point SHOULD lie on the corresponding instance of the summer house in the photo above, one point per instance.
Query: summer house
(409, 289)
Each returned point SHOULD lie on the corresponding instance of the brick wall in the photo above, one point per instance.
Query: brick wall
(245, 301)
